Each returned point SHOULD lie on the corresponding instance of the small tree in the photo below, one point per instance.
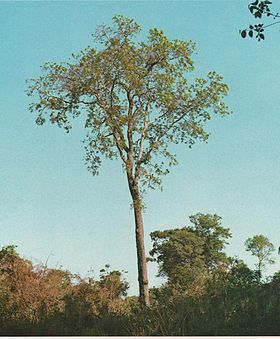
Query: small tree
(136, 101)
(262, 248)
(190, 255)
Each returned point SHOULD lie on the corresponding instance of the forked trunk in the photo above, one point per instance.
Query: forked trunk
(140, 245)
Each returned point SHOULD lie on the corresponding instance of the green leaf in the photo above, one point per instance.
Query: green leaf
(243, 33)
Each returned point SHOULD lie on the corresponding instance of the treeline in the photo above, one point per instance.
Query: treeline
(206, 292)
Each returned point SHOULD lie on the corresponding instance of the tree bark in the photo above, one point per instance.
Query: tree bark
(260, 271)
(140, 245)
(141, 257)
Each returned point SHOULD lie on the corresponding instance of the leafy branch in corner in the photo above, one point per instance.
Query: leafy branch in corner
(259, 9)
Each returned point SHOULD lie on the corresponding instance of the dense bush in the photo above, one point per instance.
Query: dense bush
(206, 293)
(40, 300)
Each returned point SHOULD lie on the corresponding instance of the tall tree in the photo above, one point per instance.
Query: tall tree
(136, 101)
(262, 248)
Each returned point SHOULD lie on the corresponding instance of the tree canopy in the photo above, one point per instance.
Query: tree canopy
(135, 98)
(187, 256)
(262, 248)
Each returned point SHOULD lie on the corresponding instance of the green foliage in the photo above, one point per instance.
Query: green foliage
(260, 9)
(36, 300)
(225, 311)
(189, 256)
(239, 274)
(262, 248)
(134, 96)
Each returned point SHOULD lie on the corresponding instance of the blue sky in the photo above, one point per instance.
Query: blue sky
(51, 206)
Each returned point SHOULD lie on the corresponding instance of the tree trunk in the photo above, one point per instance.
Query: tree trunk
(141, 257)
(140, 245)
(259, 271)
